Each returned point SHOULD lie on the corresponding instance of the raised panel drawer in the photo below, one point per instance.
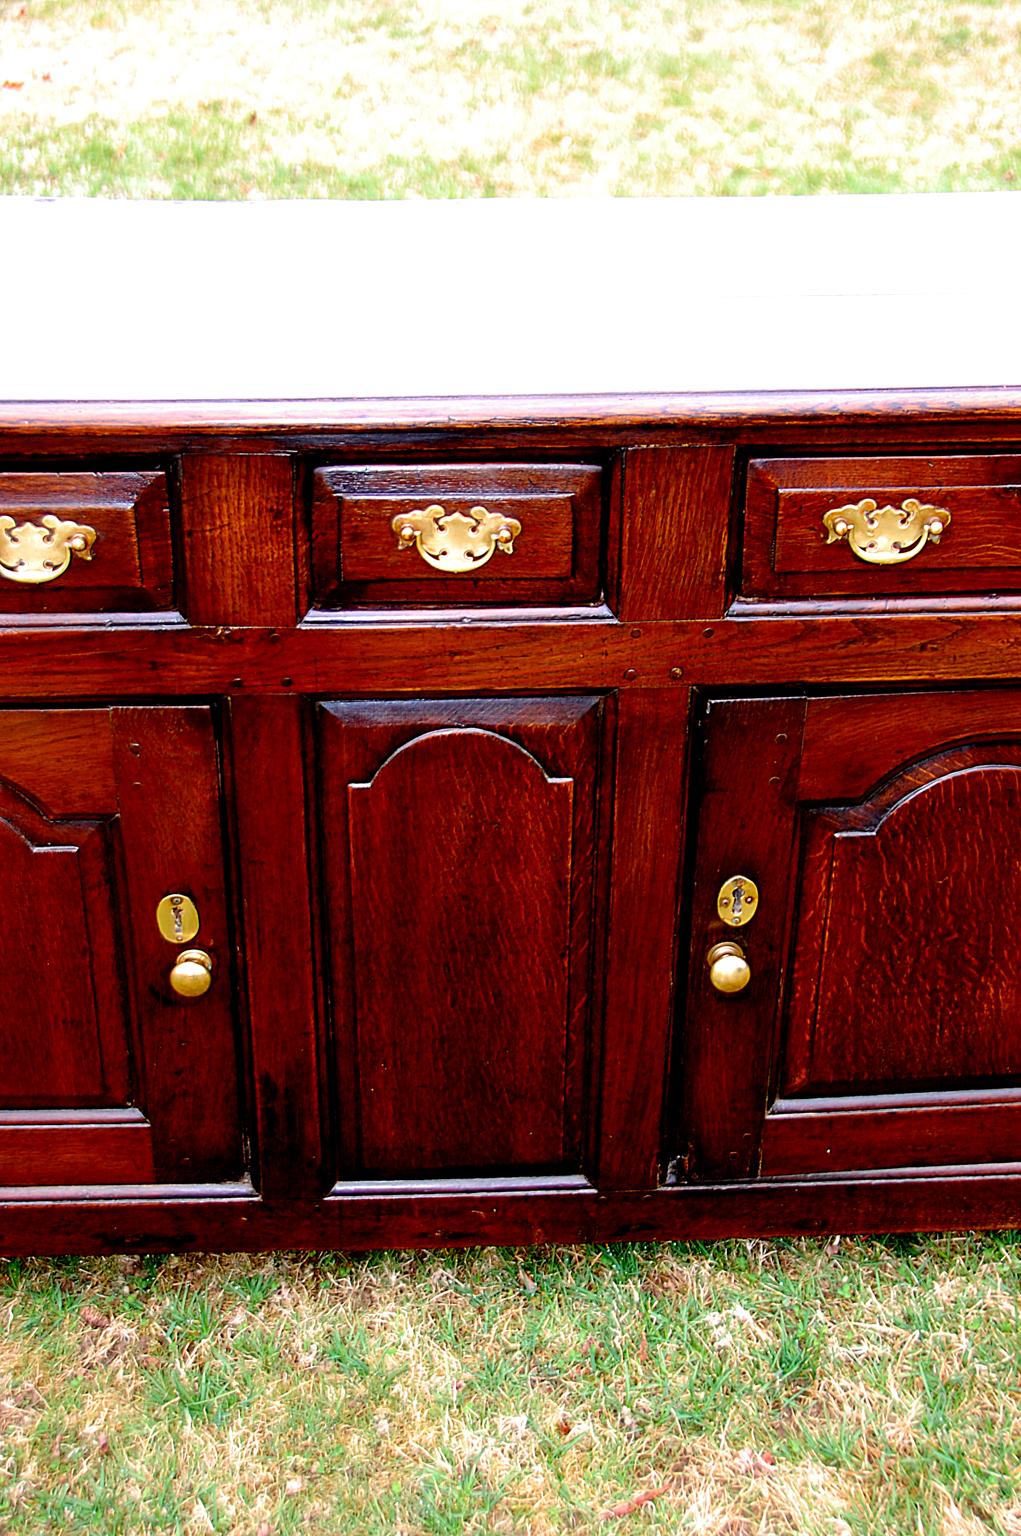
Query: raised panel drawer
(457, 535)
(76, 541)
(791, 552)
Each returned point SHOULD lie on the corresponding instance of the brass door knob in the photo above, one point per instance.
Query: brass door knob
(729, 970)
(192, 974)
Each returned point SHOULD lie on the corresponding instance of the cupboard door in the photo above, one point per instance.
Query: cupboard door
(459, 859)
(881, 1025)
(107, 1074)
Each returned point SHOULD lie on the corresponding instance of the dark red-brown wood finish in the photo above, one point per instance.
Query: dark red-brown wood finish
(456, 838)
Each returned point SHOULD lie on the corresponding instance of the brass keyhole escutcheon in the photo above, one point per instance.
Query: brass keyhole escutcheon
(192, 975)
(738, 901)
(729, 970)
(177, 918)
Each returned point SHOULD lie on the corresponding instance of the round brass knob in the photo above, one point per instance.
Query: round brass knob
(192, 974)
(729, 971)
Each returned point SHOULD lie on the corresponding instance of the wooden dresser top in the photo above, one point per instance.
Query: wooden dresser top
(325, 314)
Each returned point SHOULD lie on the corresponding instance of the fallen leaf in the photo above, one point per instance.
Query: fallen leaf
(11, 1416)
(93, 1318)
(528, 1285)
(103, 1445)
(13, 85)
(264, 1529)
(633, 1504)
(292, 1486)
(200, 1519)
(754, 1461)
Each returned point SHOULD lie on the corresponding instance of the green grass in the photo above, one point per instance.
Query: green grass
(209, 155)
(860, 1386)
(365, 99)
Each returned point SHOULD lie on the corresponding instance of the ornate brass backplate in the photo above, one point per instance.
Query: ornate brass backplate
(886, 535)
(32, 553)
(455, 542)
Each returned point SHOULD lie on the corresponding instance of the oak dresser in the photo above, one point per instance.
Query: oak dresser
(511, 721)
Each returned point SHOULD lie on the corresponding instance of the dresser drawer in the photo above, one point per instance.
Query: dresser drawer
(882, 527)
(84, 542)
(457, 535)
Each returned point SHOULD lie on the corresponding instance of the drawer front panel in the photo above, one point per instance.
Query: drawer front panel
(83, 542)
(457, 535)
(972, 502)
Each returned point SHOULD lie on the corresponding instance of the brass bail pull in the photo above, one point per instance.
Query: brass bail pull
(37, 552)
(455, 542)
(886, 535)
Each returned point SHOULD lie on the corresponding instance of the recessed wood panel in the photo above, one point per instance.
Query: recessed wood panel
(63, 1014)
(786, 548)
(358, 558)
(131, 564)
(458, 850)
(904, 973)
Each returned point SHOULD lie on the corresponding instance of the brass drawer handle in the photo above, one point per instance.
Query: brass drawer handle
(886, 535)
(34, 554)
(454, 542)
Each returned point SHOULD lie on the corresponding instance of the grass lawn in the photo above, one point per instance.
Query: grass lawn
(469, 98)
(869, 1387)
